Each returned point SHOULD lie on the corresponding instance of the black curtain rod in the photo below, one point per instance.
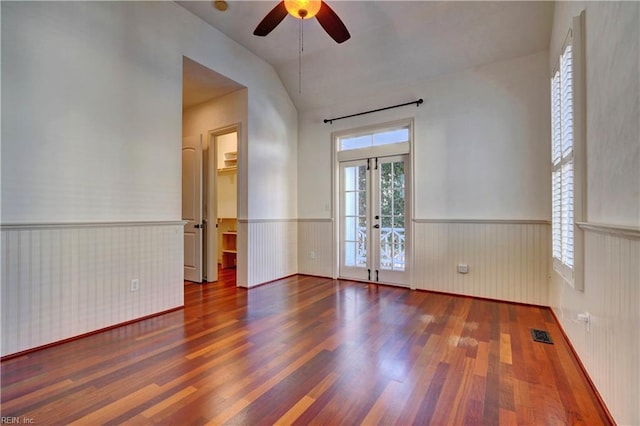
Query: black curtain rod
(331, 120)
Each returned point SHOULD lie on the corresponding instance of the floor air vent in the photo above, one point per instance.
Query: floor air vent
(541, 336)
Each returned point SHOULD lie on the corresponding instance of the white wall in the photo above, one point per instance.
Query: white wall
(62, 281)
(91, 129)
(224, 111)
(506, 260)
(123, 78)
(480, 155)
(611, 348)
(480, 143)
(91, 124)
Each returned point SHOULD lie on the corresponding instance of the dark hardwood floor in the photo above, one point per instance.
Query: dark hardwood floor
(309, 350)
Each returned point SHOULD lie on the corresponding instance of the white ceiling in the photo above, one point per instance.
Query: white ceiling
(393, 43)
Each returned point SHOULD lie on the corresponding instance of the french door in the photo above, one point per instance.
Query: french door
(373, 219)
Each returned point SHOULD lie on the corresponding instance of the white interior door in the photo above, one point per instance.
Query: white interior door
(373, 220)
(192, 207)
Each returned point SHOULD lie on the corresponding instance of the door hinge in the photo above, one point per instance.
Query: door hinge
(377, 278)
(368, 160)
(369, 272)
(376, 168)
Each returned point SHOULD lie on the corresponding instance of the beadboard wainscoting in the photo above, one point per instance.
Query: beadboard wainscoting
(65, 280)
(507, 260)
(609, 347)
(315, 247)
(271, 249)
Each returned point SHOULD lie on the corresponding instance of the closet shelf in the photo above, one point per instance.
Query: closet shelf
(227, 169)
(229, 248)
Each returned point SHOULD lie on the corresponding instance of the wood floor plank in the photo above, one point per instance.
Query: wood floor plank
(505, 348)
(420, 377)
(457, 408)
(106, 413)
(386, 402)
(473, 413)
(482, 360)
(294, 412)
(307, 350)
(38, 394)
(155, 409)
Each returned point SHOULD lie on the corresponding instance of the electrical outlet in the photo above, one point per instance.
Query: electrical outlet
(135, 284)
(586, 319)
(463, 268)
(312, 254)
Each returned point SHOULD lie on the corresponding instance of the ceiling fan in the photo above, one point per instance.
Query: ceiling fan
(305, 9)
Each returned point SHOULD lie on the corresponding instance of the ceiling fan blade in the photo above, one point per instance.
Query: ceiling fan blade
(272, 20)
(332, 24)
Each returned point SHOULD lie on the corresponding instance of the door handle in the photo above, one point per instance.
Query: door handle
(198, 226)
(377, 226)
(377, 217)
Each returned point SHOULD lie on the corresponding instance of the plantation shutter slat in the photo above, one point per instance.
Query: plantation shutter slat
(567, 214)
(555, 119)
(566, 89)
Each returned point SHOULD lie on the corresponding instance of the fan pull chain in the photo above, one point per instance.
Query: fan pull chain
(300, 49)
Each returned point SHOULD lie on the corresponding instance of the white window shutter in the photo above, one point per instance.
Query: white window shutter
(562, 157)
(567, 214)
(557, 214)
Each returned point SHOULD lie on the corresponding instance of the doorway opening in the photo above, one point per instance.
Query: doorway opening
(223, 161)
(209, 101)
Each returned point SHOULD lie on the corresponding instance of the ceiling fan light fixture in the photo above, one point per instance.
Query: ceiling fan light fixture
(303, 9)
(221, 5)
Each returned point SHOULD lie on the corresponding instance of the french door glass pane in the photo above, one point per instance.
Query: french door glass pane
(350, 253)
(392, 212)
(350, 229)
(350, 204)
(350, 178)
(355, 219)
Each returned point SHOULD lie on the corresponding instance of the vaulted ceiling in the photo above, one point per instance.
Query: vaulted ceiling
(393, 43)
